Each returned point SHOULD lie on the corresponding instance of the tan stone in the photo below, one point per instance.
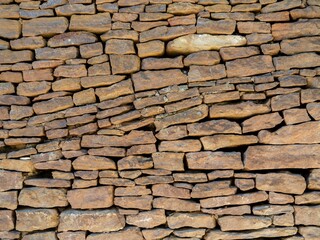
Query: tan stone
(154, 16)
(9, 200)
(91, 198)
(148, 180)
(73, 9)
(151, 49)
(10, 29)
(235, 211)
(280, 198)
(80, 235)
(84, 97)
(244, 184)
(302, 60)
(294, 46)
(44, 26)
(286, 101)
(115, 90)
(268, 210)
(143, 202)
(180, 146)
(128, 233)
(56, 53)
(92, 220)
(202, 42)
(10, 180)
(208, 26)
(308, 12)
(124, 64)
(70, 71)
(42, 197)
(156, 233)
(305, 215)
(60, 165)
(178, 205)
(118, 46)
(236, 223)
(120, 34)
(309, 95)
(280, 6)
(213, 127)
(239, 199)
(308, 198)
(231, 53)
(182, 20)
(314, 180)
(7, 220)
(29, 220)
(132, 191)
(264, 121)
(202, 58)
(184, 8)
(167, 190)
(172, 133)
(239, 110)
(125, 3)
(148, 219)
(28, 43)
(168, 161)
(32, 89)
(212, 189)
(53, 105)
(144, 26)
(48, 183)
(98, 23)
(9, 11)
(194, 220)
(221, 97)
(311, 233)
(161, 63)
(205, 73)
(87, 162)
(134, 162)
(8, 56)
(71, 39)
(66, 84)
(225, 141)
(100, 81)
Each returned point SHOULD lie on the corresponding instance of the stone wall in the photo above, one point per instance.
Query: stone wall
(159, 119)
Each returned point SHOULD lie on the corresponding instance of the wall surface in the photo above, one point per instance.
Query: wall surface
(159, 119)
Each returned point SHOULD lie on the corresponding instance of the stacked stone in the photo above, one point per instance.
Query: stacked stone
(159, 119)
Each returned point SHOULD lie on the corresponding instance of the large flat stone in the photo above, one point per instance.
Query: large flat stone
(8, 56)
(129, 233)
(236, 223)
(193, 220)
(307, 215)
(92, 220)
(44, 26)
(301, 60)
(220, 126)
(226, 141)
(282, 157)
(200, 42)
(98, 23)
(88, 162)
(72, 39)
(178, 205)
(148, 219)
(299, 45)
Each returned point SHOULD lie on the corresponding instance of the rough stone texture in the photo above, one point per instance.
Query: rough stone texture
(195, 220)
(236, 223)
(148, 219)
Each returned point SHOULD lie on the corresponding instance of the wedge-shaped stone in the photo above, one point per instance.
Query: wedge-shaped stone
(208, 26)
(8, 56)
(187, 116)
(282, 157)
(148, 219)
(98, 23)
(92, 220)
(10, 180)
(281, 6)
(88, 162)
(91, 198)
(213, 127)
(71, 39)
(236, 223)
(167, 190)
(56, 53)
(263, 233)
(239, 199)
(53, 105)
(9, 200)
(307, 215)
(308, 198)
(178, 205)
(250, 66)
(281, 182)
(194, 220)
(143, 202)
(133, 138)
(299, 45)
(295, 29)
(130, 233)
(208, 160)
(10, 29)
(302, 60)
(267, 210)
(134, 162)
(115, 90)
(146, 80)
(264, 121)
(292, 134)
(239, 110)
(225, 141)
(29, 220)
(200, 42)
(43, 197)
(45, 26)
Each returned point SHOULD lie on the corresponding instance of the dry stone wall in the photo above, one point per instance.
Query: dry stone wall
(159, 119)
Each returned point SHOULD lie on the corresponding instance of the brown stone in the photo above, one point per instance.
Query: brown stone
(132, 191)
(202, 58)
(9, 11)
(253, 27)
(32, 89)
(281, 182)
(168, 161)
(128, 233)
(148, 180)
(286, 101)
(154, 16)
(205, 73)
(308, 12)
(10, 29)
(156, 233)
(134, 162)
(126, 3)
(8, 56)
(10, 180)
(213, 127)
(182, 20)
(44, 26)
(264, 121)
(60, 165)
(239, 110)
(305, 215)
(280, 198)
(207, 160)
(115, 90)
(9, 200)
(72, 71)
(194, 220)
(236, 223)
(7, 220)
(187, 116)
(53, 105)
(56, 53)
(208, 26)
(167, 190)
(143, 202)
(144, 26)
(118, 46)
(178, 205)
(66, 84)
(14, 77)
(29, 220)
(6, 88)
(71, 39)
(80, 235)
(302, 60)
(98, 23)
(172, 133)
(184, 8)
(37, 75)
(151, 49)
(212, 189)
(161, 63)
(239, 199)
(235, 211)
(180, 146)
(148, 219)
(308, 198)
(48, 183)
(309, 232)
(294, 46)
(309, 95)
(100, 81)
(73, 9)
(231, 53)
(142, 149)
(28, 43)
(42, 197)
(225, 141)
(268, 210)
(88, 162)
(222, 97)
(124, 64)
(313, 179)
(92, 220)
(120, 34)
(280, 6)
(91, 198)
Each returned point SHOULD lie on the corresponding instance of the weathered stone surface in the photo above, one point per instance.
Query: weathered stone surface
(282, 157)
(71, 39)
(308, 12)
(213, 127)
(172, 133)
(225, 141)
(9, 11)
(32, 89)
(119, 46)
(44, 26)
(162, 63)
(143, 202)
(8, 56)
(280, 198)
(187, 116)
(281, 182)
(308, 198)
(293, 134)
(202, 42)
(134, 162)
(239, 110)
(280, 6)
(29, 220)
(236, 223)
(309, 232)
(205, 73)
(87, 162)
(49, 235)
(148, 219)
(151, 49)
(56, 53)
(194, 220)
(10, 180)
(9, 200)
(125, 3)
(307, 215)
(239, 199)
(132, 191)
(296, 115)
(302, 60)
(168, 161)
(212, 189)
(146, 80)
(10, 29)
(98, 23)
(124, 64)
(7, 220)
(53, 105)
(178, 205)
(234, 211)
(72, 9)
(166, 190)
(180, 146)
(156, 233)
(129, 233)
(116, 90)
(208, 26)
(231, 53)
(184, 8)
(208, 160)
(314, 180)
(202, 58)
(294, 46)
(91, 198)
(264, 121)
(92, 220)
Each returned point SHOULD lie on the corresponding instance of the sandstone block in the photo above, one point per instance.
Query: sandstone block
(286, 101)
(184, 8)
(236, 223)
(280, 6)
(71, 39)
(294, 46)
(156, 233)
(178, 205)
(126, 3)
(208, 26)
(134, 162)
(116, 90)
(10, 180)
(8, 56)
(308, 198)
(180, 146)
(167, 190)
(161, 63)
(212, 189)
(87, 162)
(53, 105)
(148, 219)
(124, 64)
(72, 71)
(129, 233)
(9, 200)
(75, 9)
(98, 23)
(309, 232)
(194, 220)
(7, 220)
(263, 121)
(10, 29)
(305, 215)
(119, 46)
(32, 89)
(56, 53)
(151, 49)
(213, 127)
(168, 161)
(225, 141)
(143, 202)
(230, 53)
(202, 58)
(9, 11)
(44, 26)
(302, 60)
(205, 73)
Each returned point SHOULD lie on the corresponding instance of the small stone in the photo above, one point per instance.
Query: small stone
(9, 11)
(134, 162)
(10, 180)
(282, 102)
(129, 233)
(28, 220)
(213, 127)
(314, 180)
(84, 97)
(222, 141)
(98, 23)
(10, 29)
(44, 26)
(308, 12)
(132, 191)
(72, 235)
(309, 95)
(280, 198)
(236, 223)
(120, 34)
(71, 39)
(268, 210)
(118, 46)
(32, 89)
(212, 189)
(9, 200)
(142, 202)
(126, 3)
(205, 73)
(235, 211)
(124, 64)
(181, 8)
(72, 71)
(180, 146)
(148, 219)
(163, 63)
(151, 49)
(92, 220)
(168, 161)
(202, 58)
(156, 233)
(178, 205)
